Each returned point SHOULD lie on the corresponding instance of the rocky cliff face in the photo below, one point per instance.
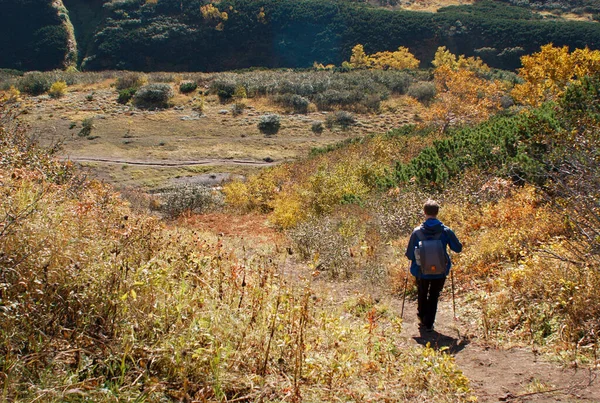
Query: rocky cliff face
(71, 52)
(35, 35)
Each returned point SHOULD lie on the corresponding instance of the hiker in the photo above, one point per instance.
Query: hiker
(430, 262)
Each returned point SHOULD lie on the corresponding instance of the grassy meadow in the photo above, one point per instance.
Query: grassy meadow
(229, 291)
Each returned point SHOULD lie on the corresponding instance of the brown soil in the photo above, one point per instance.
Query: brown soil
(511, 375)
(496, 375)
(166, 163)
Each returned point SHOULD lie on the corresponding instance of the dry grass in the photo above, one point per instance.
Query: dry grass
(106, 305)
(125, 134)
(433, 5)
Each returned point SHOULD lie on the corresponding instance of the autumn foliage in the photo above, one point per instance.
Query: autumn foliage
(463, 95)
(398, 60)
(102, 304)
(548, 72)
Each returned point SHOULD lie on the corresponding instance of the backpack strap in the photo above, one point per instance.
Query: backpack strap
(422, 237)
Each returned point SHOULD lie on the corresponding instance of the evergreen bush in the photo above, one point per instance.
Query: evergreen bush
(317, 127)
(153, 96)
(343, 119)
(188, 87)
(224, 88)
(269, 124)
(34, 83)
(296, 103)
(126, 95)
(86, 127)
(422, 91)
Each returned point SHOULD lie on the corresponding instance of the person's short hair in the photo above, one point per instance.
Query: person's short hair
(431, 208)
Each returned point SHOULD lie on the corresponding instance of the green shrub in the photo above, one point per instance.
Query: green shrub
(238, 108)
(86, 127)
(317, 127)
(225, 89)
(153, 96)
(422, 91)
(34, 83)
(296, 103)
(188, 87)
(126, 95)
(269, 124)
(131, 80)
(343, 119)
(190, 199)
(58, 89)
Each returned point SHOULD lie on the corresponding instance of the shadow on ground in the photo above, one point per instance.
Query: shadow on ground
(439, 341)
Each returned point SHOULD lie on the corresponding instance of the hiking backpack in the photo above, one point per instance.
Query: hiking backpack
(430, 254)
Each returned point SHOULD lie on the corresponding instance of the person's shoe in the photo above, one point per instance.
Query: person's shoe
(429, 329)
(420, 318)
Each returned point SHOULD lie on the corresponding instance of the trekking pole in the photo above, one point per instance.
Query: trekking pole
(454, 306)
(453, 298)
(404, 297)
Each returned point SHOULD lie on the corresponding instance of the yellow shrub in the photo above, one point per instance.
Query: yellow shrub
(398, 60)
(463, 97)
(58, 89)
(547, 73)
(237, 195)
(288, 210)
(11, 96)
(506, 231)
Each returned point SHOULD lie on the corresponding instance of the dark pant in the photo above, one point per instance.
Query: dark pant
(428, 295)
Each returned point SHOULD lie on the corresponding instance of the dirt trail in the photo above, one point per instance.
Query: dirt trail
(516, 375)
(165, 163)
(513, 375)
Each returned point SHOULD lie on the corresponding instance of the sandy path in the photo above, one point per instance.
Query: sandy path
(165, 163)
(513, 375)
(496, 375)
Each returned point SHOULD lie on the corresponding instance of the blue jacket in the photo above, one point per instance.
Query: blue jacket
(432, 226)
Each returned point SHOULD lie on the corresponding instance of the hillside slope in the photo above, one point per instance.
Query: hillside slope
(199, 36)
(36, 35)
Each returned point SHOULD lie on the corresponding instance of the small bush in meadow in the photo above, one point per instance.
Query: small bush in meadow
(224, 88)
(240, 92)
(131, 80)
(126, 95)
(153, 96)
(343, 119)
(422, 91)
(317, 127)
(269, 124)
(293, 102)
(13, 95)
(86, 127)
(188, 87)
(198, 104)
(190, 199)
(58, 89)
(34, 83)
(238, 108)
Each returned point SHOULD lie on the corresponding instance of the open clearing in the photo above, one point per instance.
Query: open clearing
(128, 147)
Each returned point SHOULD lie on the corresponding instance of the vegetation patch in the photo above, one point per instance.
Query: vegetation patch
(153, 96)
(179, 313)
